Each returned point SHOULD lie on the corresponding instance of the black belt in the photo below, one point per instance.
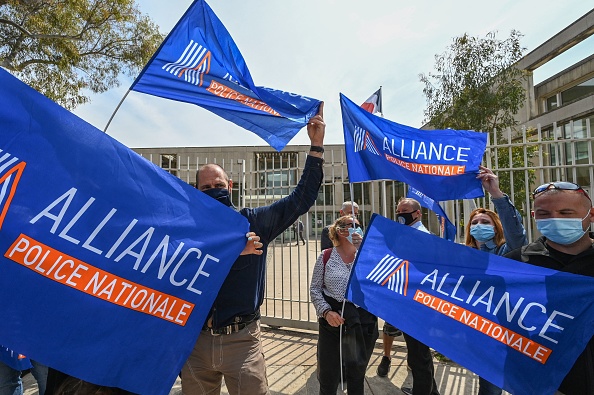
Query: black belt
(240, 323)
(226, 330)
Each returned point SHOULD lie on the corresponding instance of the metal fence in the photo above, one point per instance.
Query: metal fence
(525, 160)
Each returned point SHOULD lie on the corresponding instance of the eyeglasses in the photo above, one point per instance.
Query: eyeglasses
(562, 185)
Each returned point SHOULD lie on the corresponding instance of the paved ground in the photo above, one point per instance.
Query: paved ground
(291, 361)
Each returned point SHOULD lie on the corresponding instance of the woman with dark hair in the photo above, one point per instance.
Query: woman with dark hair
(496, 233)
(359, 327)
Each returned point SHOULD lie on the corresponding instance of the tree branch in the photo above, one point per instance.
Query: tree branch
(39, 36)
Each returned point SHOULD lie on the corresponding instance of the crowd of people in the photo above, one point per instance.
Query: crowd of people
(229, 346)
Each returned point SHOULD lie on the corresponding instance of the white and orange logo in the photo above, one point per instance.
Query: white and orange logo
(393, 272)
(363, 141)
(193, 63)
(10, 174)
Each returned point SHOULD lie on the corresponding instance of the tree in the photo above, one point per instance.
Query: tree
(66, 49)
(476, 86)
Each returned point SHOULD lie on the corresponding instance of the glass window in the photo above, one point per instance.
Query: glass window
(551, 103)
(169, 161)
(325, 196)
(360, 191)
(277, 172)
(577, 92)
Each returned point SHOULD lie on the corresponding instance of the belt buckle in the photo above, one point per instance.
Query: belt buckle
(212, 332)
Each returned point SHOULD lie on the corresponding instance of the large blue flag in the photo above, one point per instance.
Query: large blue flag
(441, 163)
(199, 63)
(448, 230)
(109, 265)
(519, 326)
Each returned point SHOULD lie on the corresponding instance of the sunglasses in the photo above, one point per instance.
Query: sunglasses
(562, 185)
(349, 225)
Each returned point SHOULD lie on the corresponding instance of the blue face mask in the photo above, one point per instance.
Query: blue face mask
(351, 231)
(220, 194)
(482, 232)
(563, 231)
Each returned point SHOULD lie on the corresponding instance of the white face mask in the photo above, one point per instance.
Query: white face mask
(562, 231)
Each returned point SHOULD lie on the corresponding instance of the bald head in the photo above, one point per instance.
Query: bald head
(212, 176)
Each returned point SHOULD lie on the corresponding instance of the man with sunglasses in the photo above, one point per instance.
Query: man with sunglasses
(419, 358)
(563, 213)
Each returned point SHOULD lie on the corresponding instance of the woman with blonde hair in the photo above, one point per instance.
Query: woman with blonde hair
(496, 233)
(359, 327)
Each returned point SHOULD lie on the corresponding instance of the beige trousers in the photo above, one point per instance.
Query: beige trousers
(237, 357)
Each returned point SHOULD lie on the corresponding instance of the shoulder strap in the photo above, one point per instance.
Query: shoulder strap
(325, 258)
(327, 252)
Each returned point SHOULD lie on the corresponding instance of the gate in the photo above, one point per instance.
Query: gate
(262, 176)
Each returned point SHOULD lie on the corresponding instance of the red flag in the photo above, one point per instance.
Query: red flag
(374, 103)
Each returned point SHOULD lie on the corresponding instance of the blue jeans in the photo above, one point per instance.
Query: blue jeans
(486, 388)
(10, 381)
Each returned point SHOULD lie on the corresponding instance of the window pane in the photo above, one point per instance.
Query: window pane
(577, 92)
(552, 103)
(169, 161)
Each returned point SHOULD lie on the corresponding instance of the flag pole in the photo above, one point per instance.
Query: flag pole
(383, 183)
(116, 110)
(344, 299)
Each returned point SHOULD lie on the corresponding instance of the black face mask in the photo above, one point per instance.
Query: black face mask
(220, 194)
(405, 218)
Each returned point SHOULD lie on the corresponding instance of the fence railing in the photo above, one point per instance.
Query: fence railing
(521, 161)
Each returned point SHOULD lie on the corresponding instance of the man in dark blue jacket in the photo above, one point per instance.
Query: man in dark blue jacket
(229, 345)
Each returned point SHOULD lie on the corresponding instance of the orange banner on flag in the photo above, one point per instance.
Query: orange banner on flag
(67, 270)
(498, 332)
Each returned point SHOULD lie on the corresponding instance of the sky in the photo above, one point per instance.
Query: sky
(320, 48)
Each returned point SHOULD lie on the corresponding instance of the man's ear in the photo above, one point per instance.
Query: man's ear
(591, 214)
(230, 185)
(532, 213)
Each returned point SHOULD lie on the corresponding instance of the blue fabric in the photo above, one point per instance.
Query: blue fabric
(448, 229)
(200, 63)
(442, 164)
(242, 292)
(467, 304)
(91, 231)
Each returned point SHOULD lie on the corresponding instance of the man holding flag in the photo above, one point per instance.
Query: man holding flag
(229, 345)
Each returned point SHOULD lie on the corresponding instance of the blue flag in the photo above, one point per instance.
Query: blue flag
(199, 63)
(519, 326)
(108, 264)
(448, 230)
(443, 163)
